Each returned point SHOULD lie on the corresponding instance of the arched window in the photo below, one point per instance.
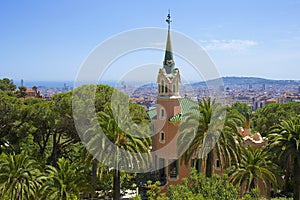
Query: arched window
(162, 137)
(218, 164)
(174, 88)
(162, 85)
(159, 88)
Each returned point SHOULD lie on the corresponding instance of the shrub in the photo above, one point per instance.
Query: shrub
(199, 187)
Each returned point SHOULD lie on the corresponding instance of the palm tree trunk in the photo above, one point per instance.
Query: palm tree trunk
(296, 179)
(54, 151)
(252, 186)
(94, 176)
(209, 164)
(287, 174)
(116, 186)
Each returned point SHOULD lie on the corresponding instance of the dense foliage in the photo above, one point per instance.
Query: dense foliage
(42, 156)
(272, 114)
(200, 187)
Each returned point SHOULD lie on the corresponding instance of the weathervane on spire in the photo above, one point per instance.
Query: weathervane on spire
(168, 20)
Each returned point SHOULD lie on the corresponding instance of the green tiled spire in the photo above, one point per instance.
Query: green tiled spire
(168, 61)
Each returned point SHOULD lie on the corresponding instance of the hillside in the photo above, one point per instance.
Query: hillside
(232, 80)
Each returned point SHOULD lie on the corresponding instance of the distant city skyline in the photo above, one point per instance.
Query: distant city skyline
(49, 40)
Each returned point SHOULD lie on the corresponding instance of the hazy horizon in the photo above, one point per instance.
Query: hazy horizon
(70, 83)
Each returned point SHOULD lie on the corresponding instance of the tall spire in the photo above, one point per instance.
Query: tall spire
(168, 20)
(168, 61)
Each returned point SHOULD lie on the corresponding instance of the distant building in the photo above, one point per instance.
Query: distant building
(270, 100)
(33, 93)
(250, 87)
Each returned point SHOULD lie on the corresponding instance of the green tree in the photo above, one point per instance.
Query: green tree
(21, 93)
(7, 85)
(111, 122)
(64, 132)
(284, 141)
(41, 121)
(51, 127)
(205, 133)
(256, 165)
(101, 177)
(242, 108)
(67, 182)
(122, 136)
(197, 186)
(131, 140)
(272, 114)
(18, 177)
(10, 122)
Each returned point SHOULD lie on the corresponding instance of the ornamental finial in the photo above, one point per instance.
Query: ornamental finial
(168, 20)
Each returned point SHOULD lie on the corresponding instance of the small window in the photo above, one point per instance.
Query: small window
(218, 164)
(174, 89)
(173, 168)
(162, 137)
(162, 113)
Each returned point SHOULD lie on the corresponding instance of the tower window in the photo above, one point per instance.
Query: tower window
(162, 137)
(162, 113)
(173, 88)
(162, 86)
(218, 164)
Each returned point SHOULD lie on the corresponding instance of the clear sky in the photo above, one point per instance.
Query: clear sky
(49, 40)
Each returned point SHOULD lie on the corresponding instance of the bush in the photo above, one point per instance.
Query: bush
(199, 187)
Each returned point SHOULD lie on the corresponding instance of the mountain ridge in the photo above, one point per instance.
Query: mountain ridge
(235, 80)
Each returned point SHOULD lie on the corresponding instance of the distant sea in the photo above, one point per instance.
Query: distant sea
(114, 83)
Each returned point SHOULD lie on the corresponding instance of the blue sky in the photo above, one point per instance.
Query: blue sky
(49, 40)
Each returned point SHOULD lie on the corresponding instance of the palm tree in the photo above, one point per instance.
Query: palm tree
(65, 182)
(228, 145)
(123, 144)
(285, 143)
(100, 175)
(208, 131)
(255, 166)
(18, 177)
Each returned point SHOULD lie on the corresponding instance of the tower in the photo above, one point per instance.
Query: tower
(168, 109)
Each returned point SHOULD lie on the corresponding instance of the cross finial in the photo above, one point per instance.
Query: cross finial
(168, 20)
